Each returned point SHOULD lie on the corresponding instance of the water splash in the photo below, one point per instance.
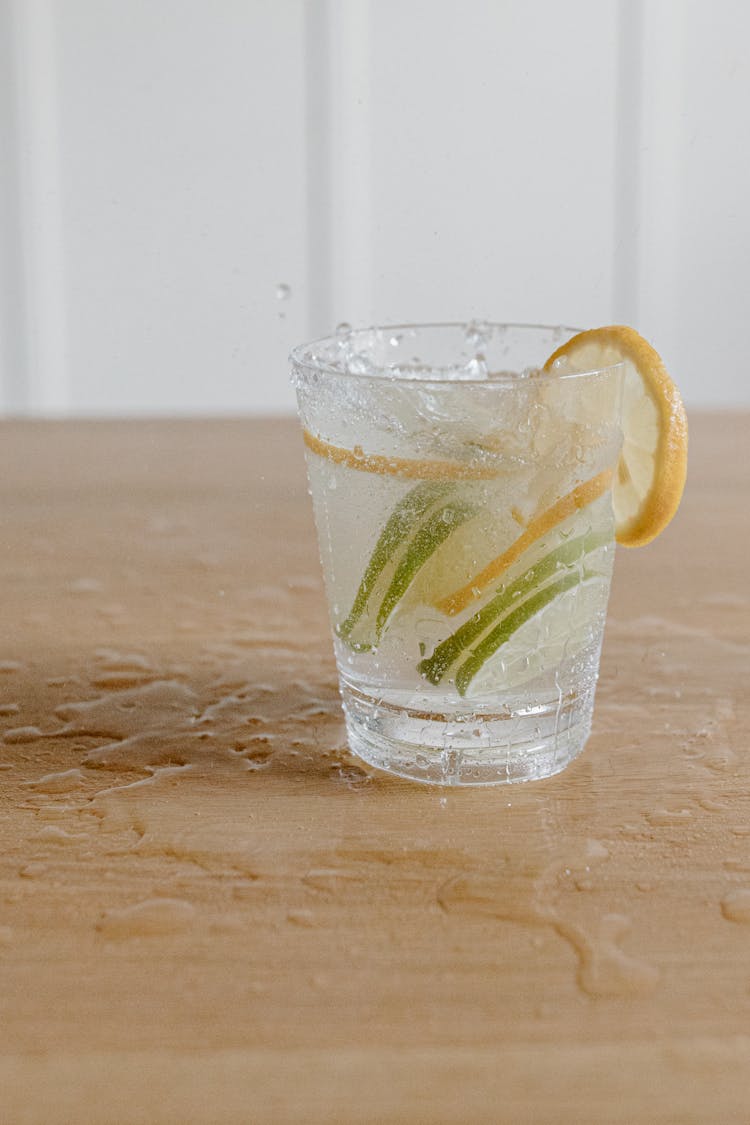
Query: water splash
(605, 969)
(524, 895)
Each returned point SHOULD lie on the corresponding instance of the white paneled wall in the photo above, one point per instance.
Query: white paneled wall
(167, 165)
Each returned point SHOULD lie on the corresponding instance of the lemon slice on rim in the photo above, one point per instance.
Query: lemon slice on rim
(650, 476)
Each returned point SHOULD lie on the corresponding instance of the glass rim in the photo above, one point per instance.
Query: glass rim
(299, 358)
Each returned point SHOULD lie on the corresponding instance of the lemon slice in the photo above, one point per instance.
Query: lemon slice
(404, 467)
(581, 496)
(650, 476)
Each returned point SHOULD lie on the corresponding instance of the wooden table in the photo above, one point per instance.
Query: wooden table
(210, 913)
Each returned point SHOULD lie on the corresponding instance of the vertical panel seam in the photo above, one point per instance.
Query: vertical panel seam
(628, 165)
(40, 211)
(317, 63)
(13, 358)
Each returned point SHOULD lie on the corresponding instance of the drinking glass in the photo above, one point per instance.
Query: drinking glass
(464, 514)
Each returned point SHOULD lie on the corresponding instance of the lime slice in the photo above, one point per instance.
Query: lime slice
(554, 638)
(438, 527)
(454, 647)
(502, 632)
(417, 527)
(581, 496)
(405, 516)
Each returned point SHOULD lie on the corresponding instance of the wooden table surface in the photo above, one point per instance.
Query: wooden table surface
(210, 913)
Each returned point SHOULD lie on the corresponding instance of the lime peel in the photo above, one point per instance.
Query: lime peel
(580, 497)
(449, 651)
(510, 624)
(409, 511)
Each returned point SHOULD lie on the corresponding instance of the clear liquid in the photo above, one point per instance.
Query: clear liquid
(526, 709)
(466, 546)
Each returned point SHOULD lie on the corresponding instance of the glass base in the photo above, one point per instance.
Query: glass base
(518, 743)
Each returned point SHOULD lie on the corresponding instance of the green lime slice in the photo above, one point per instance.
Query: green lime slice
(508, 626)
(433, 533)
(400, 525)
(454, 647)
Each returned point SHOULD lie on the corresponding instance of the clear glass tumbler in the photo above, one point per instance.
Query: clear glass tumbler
(464, 514)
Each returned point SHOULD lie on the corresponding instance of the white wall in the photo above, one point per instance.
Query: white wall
(167, 164)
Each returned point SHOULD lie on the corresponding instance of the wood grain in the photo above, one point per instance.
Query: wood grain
(210, 913)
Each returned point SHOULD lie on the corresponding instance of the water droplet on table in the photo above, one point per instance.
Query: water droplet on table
(53, 834)
(304, 918)
(736, 905)
(606, 970)
(62, 782)
(33, 870)
(22, 734)
(145, 919)
(85, 586)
